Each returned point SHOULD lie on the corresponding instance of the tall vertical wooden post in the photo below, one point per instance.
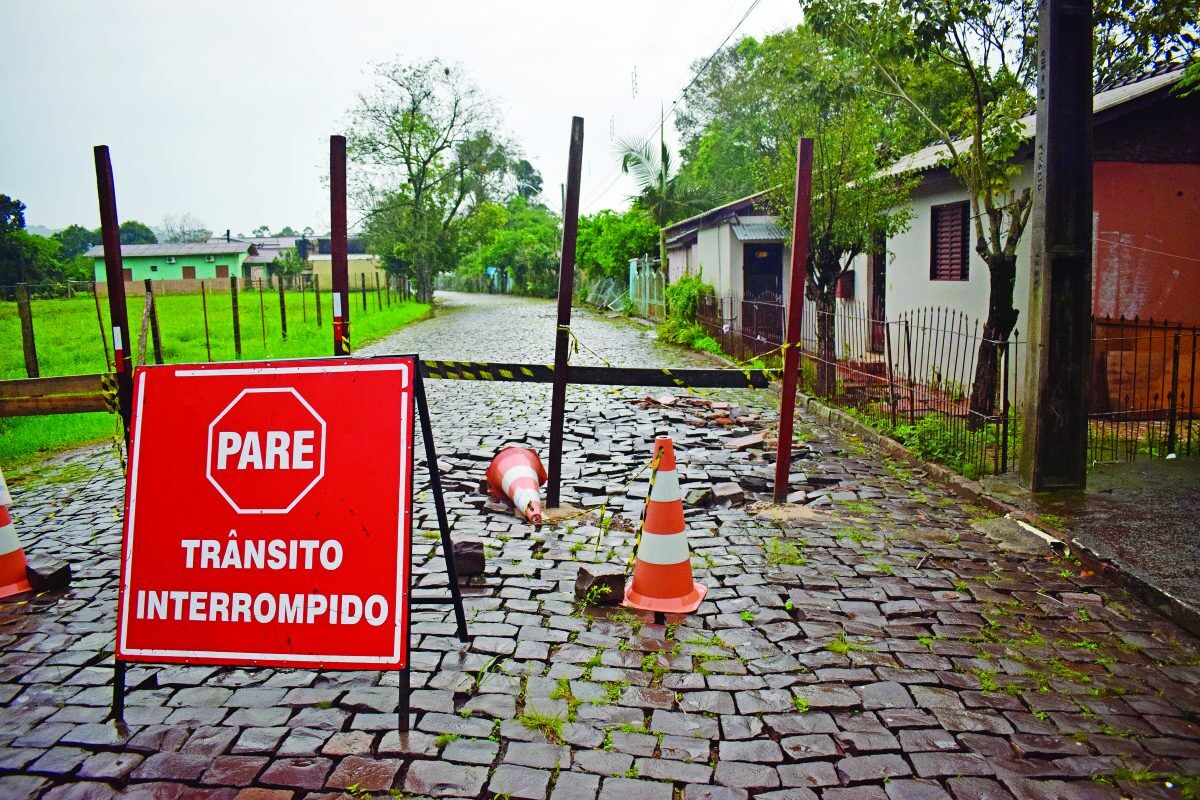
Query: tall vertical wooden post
(114, 273)
(155, 335)
(795, 315)
(237, 320)
(282, 309)
(28, 344)
(1058, 374)
(337, 245)
(566, 288)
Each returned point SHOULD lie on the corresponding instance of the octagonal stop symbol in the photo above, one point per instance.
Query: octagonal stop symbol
(266, 450)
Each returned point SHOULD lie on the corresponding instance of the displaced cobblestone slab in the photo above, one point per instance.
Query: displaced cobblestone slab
(873, 644)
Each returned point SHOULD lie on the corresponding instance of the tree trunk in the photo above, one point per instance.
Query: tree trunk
(1001, 320)
(424, 286)
(826, 342)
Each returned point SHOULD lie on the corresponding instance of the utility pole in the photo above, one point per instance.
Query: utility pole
(1058, 372)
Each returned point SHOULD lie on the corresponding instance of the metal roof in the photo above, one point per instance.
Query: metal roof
(732, 207)
(937, 155)
(759, 232)
(181, 249)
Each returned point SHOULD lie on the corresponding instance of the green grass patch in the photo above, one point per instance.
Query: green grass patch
(68, 339)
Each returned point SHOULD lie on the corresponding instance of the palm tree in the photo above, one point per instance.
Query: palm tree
(662, 193)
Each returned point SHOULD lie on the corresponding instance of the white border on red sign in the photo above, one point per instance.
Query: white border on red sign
(401, 583)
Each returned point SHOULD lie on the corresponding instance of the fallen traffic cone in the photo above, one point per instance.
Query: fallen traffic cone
(662, 576)
(12, 555)
(517, 473)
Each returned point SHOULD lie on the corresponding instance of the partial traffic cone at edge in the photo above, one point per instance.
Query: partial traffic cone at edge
(12, 556)
(517, 473)
(662, 575)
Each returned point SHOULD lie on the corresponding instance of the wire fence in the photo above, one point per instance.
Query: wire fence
(918, 377)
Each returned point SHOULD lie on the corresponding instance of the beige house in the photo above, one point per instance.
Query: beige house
(358, 265)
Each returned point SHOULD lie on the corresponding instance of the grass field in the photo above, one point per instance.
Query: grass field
(68, 343)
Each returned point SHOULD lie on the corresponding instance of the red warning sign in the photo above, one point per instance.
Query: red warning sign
(268, 514)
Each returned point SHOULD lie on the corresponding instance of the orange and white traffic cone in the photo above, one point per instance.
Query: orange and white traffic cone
(662, 575)
(517, 473)
(12, 556)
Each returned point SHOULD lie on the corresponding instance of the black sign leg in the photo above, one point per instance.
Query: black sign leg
(405, 689)
(118, 703)
(435, 486)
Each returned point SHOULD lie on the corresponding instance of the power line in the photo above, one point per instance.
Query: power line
(616, 172)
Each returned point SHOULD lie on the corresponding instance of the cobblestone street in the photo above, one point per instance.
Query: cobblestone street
(875, 644)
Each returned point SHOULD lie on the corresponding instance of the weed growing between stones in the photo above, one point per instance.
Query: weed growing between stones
(549, 725)
(841, 645)
(790, 553)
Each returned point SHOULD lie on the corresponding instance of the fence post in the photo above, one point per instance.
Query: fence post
(317, 297)
(891, 373)
(115, 278)
(100, 322)
(363, 288)
(262, 315)
(282, 310)
(237, 322)
(339, 266)
(25, 312)
(204, 309)
(1004, 408)
(155, 337)
(1173, 410)
(303, 300)
(378, 293)
(912, 397)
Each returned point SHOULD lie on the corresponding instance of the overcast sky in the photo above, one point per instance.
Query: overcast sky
(223, 108)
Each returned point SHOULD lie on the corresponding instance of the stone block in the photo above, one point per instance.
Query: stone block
(600, 584)
(45, 574)
(469, 558)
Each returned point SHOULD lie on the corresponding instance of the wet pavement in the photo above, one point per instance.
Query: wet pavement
(875, 644)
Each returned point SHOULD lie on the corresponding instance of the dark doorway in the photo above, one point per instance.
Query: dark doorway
(762, 271)
(877, 267)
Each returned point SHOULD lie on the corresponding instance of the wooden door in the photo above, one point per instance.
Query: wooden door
(189, 273)
(222, 270)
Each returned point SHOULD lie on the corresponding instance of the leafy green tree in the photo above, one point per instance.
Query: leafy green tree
(12, 215)
(991, 48)
(261, 231)
(134, 232)
(609, 239)
(75, 240)
(286, 231)
(422, 144)
(529, 180)
(182, 229)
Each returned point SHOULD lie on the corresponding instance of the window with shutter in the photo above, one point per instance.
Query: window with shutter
(948, 245)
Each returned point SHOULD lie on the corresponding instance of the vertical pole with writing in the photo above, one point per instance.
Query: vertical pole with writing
(566, 287)
(795, 315)
(1058, 376)
(337, 245)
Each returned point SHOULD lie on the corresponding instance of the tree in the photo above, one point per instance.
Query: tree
(609, 239)
(134, 232)
(286, 231)
(183, 228)
(262, 231)
(661, 192)
(75, 240)
(425, 156)
(529, 180)
(12, 215)
(991, 47)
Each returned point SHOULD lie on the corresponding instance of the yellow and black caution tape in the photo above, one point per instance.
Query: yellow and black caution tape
(637, 542)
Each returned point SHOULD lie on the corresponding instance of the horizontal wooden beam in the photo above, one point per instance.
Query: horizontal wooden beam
(46, 387)
(61, 404)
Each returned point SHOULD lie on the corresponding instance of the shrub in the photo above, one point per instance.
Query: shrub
(683, 298)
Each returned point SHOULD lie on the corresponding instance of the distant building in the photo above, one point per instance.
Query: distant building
(357, 265)
(188, 261)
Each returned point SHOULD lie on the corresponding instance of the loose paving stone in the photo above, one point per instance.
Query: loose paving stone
(439, 779)
(904, 653)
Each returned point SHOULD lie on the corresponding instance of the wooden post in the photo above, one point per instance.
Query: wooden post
(317, 297)
(262, 315)
(378, 293)
(363, 290)
(337, 245)
(204, 309)
(303, 303)
(1058, 373)
(795, 315)
(100, 322)
(115, 277)
(282, 309)
(25, 312)
(237, 322)
(566, 287)
(155, 336)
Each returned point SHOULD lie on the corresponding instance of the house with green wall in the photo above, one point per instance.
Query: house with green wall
(168, 262)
